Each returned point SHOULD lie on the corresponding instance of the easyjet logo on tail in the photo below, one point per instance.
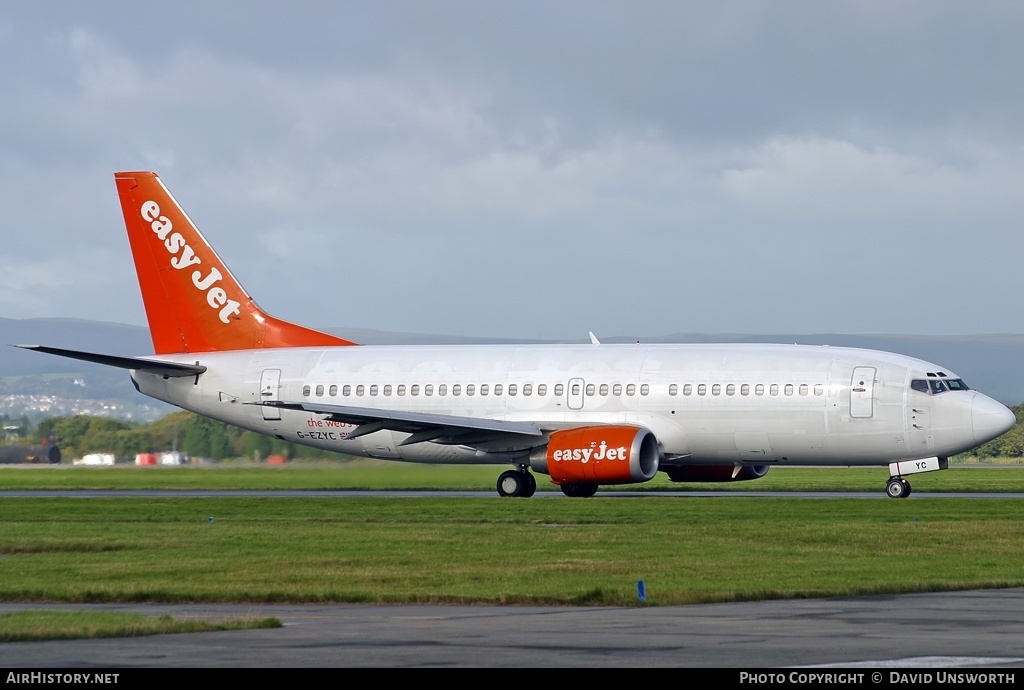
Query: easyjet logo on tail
(183, 257)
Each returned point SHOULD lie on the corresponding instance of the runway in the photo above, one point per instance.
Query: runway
(972, 629)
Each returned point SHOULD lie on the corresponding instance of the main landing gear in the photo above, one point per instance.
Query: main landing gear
(518, 482)
(897, 487)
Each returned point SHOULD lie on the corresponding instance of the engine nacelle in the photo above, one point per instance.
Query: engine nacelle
(599, 455)
(715, 473)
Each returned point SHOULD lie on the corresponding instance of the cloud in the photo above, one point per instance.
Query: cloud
(529, 168)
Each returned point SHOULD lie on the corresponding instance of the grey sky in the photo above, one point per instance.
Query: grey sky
(530, 169)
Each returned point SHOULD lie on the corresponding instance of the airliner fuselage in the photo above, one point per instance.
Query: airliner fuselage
(706, 404)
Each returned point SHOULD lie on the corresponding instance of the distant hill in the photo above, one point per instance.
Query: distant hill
(990, 363)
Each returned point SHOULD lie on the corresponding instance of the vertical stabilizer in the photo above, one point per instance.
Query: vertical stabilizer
(193, 303)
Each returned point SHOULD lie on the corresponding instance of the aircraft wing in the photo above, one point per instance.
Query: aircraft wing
(423, 426)
(168, 369)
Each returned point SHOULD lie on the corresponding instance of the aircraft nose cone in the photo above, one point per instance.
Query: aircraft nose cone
(990, 419)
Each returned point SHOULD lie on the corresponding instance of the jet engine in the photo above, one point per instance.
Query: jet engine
(599, 455)
(715, 473)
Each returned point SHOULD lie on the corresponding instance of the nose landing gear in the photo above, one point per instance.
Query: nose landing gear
(897, 487)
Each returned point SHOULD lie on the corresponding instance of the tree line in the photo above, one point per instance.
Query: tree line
(202, 437)
(189, 433)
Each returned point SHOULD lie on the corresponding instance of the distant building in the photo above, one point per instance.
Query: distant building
(96, 459)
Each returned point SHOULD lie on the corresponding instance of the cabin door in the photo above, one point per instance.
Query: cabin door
(270, 391)
(862, 391)
(575, 393)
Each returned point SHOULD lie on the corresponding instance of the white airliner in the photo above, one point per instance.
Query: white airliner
(584, 415)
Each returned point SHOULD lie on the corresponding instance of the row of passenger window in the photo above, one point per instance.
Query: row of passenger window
(576, 389)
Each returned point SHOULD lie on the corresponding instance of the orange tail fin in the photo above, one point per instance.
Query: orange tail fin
(193, 303)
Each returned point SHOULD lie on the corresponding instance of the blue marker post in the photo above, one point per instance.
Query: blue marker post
(640, 593)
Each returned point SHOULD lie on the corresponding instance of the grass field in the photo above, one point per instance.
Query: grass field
(478, 550)
(489, 550)
(373, 474)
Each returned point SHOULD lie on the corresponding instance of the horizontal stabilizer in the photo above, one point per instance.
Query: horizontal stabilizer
(157, 367)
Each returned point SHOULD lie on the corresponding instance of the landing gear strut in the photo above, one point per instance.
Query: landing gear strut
(897, 487)
(518, 483)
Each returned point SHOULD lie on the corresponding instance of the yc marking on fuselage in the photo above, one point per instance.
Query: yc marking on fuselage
(321, 435)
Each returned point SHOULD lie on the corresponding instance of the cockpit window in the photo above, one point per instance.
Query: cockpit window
(936, 386)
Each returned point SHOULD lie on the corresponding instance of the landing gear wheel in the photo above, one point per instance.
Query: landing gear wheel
(897, 487)
(529, 485)
(579, 490)
(511, 483)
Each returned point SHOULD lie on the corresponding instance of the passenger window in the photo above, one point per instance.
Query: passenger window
(483, 389)
(346, 390)
(716, 389)
(428, 389)
(617, 389)
(497, 389)
(511, 389)
(387, 389)
(803, 389)
(305, 391)
(527, 389)
(604, 389)
(415, 390)
(774, 390)
(559, 389)
(590, 389)
(730, 389)
(688, 389)
(745, 389)
(759, 389)
(470, 389)
(401, 389)
(442, 389)
(333, 390)
(360, 389)
(456, 389)
(373, 389)
(673, 389)
(631, 389)
(789, 389)
(542, 389)
(575, 389)
(645, 389)
(319, 391)
(818, 389)
(702, 389)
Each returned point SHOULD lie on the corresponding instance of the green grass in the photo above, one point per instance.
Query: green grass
(25, 626)
(479, 550)
(494, 551)
(369, 474)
